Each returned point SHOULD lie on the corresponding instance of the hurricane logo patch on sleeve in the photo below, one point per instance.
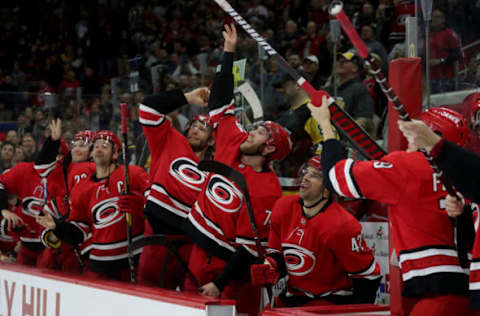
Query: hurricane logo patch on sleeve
(300, 261)
(224, 194)
(186, 171)
(32, 206)
(106, 213)
(382, 165)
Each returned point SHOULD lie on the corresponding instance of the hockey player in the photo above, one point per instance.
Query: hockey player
(218, 223)
(98, 207)
(65, 174)
(23, 181)
(320, 246)
(460, 167)
(176, 181)
(422, 232)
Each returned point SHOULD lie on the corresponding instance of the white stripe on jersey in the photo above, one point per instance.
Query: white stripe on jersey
(115, 245)
(348, 178)
(220, 109)
(25, 239)
(209, 235)
(144, 121)
(474, 266)
(178, 204)
(167, 207)
(333, 180)
(112, 258)
(437, 269)
(209, 222)
(474, 286)
(426, 253)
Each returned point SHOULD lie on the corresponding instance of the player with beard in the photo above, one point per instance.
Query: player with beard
(423, 234)
(176, 181)
(98, 207)
(219, 223)
(320, 246)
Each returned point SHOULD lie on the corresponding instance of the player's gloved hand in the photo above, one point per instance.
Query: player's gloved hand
(129, 202)
(265, 273)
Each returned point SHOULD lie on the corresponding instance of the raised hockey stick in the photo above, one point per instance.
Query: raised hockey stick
(126, 190)
(336, 9)
(249, 94)
(170, 242)
(239, 180)
(344, 123)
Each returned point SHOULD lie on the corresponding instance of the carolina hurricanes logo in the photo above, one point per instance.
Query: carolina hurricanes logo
(186, 171)
(106, 213)
(32, 206)
(224, 194)
(300, 261)
(79, 177)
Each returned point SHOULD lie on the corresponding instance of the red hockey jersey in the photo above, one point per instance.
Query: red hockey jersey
(95, 211)
(176, 180)
(23, 181)
(423, 234)
(322, 253)
(219, 219)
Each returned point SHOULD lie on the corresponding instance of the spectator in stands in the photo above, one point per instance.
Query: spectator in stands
(19, 155)
(12, 137)
(310, 43)
(295, 61)
(353, 96)
(312, 72)
(7, 151)
(303, 129)
(367, 34)
(69, 85)
(291, 35)
(444, 54)
(29, 146)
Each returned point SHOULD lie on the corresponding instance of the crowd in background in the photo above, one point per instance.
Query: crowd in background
(74, 59)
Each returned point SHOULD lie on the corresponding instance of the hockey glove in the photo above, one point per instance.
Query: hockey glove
(266, 273)
(129, 202)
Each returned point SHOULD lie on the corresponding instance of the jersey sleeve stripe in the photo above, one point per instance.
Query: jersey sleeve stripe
(342, 181)
(149, 116)
(333, 180)
(349, 178)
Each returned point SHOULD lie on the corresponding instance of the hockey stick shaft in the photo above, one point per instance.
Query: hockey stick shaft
(126, 189)
(344, 123)
(336, 9)
(170, 242)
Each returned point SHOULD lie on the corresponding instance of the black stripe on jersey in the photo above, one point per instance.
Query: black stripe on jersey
(207, 244)
(350, 172)
(475, 260)
(437, 284)
(33, 245)
(111, 267)
(162, 220)
(365, 269)
(425, 248)
(475, 299)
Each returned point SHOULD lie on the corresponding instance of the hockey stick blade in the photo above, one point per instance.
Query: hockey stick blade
(346, 125)
(249, 94)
